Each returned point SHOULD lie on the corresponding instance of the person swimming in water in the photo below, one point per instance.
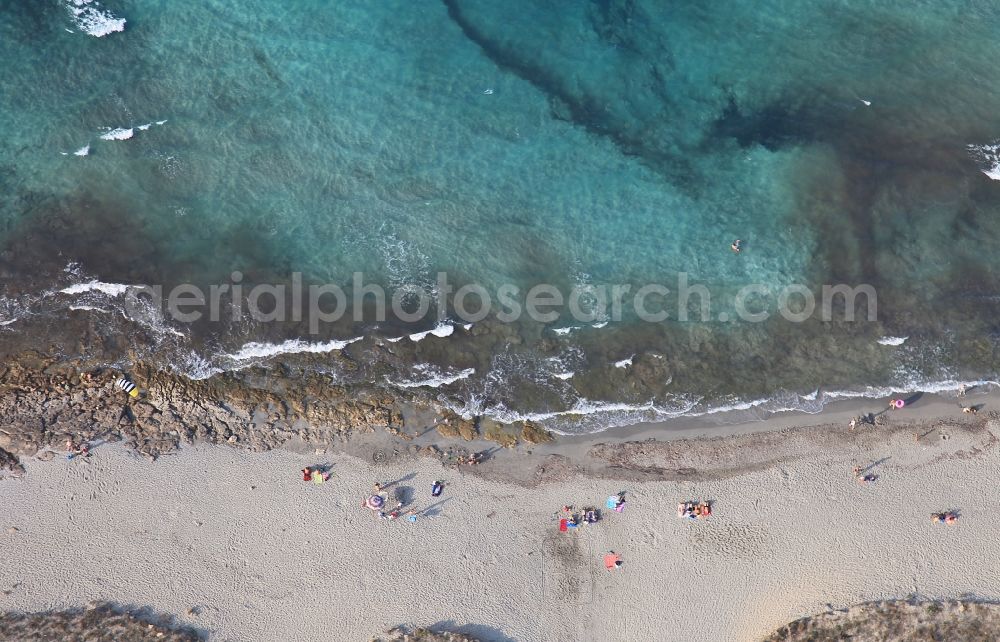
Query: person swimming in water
(736, 246)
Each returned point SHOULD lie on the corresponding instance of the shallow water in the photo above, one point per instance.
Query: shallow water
(565, 142)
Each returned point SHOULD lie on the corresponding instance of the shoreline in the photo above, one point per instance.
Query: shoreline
(45, 401)
(929, 407)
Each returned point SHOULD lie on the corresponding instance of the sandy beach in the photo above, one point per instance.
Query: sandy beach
(234, 543)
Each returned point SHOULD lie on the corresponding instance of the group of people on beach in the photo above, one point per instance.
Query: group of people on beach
(863, 476)
(569, 518)
(315, 474)
(694, 510)
(378, 498)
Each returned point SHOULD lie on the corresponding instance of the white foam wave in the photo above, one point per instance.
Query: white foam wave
(435, 379)
(83, 151)
(256, 350)
(624, 363)
(600, 325)
(91, 18)
(929, 387)
(988, 157)
(111, 289)
(566, 330)
(564, 375)
(443, 330)
(194, 366)
(89, 308)
(892, 341)
(118, 133)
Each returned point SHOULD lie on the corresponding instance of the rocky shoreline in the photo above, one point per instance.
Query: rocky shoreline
(45, 401)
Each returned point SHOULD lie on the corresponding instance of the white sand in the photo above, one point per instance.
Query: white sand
(288, 560)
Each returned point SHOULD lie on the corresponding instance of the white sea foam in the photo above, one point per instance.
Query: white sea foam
(443, 330)
(194, 366)
(431, 377)
(111, 289)
(892, 341)
(566, 330)
(89, 308)
(988, 157)
(256, 350)
(118, 133)
(144, 127)
(83, 151)
(600, 325)
(564, 375)
(624, 363)
(91, 18)
(929, 387)
(160, 122)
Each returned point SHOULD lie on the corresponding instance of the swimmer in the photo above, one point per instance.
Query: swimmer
(736, 246)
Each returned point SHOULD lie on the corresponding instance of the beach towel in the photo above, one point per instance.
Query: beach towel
(612, 501)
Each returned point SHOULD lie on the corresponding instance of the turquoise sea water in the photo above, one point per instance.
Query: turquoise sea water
(563, 142)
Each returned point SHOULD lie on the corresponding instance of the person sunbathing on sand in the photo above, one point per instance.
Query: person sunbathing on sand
(944, 518)
(77, 450)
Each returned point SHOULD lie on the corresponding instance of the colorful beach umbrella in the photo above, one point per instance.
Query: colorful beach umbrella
(375, 502)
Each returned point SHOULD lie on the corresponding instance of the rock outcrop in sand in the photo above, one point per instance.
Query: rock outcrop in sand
(100, 623)
(407, 634)
(897, 621)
